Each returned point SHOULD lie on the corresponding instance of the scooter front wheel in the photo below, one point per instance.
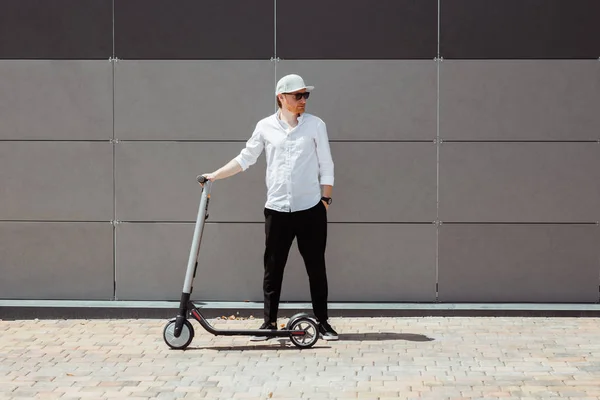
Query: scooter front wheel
(181, 342)
(311, 332)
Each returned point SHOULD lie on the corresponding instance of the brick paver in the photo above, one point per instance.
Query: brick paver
(375, 358)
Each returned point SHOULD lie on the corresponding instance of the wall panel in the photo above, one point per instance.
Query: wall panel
(358, 29)
(191, 29)
(519, 182)
(384, 182)
(157, 182)
(371, 100)
(56, 260)
(519, 100)
(58, 29)
(518, 263)
(56, 100)
(64, 181)
(517, 29)
(192, 100)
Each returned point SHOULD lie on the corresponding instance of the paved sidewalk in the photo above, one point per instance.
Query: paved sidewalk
(375, 358)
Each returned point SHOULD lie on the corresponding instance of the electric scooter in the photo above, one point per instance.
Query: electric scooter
(301, 329)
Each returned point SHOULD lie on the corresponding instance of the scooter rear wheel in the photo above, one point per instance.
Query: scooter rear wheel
(183, 341)
(294, 318)
(311, 332)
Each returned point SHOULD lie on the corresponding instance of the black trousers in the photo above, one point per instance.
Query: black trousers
(309, 227)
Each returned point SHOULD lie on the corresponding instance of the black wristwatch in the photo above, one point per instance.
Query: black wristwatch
(326, 200)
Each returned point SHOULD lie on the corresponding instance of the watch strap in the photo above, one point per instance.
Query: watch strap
(326, 199)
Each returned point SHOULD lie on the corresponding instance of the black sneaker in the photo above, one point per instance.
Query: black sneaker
(326, 332)
(265, 325)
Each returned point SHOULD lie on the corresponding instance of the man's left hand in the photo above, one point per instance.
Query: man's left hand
(325, 204)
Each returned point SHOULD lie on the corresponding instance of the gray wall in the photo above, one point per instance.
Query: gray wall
(467, 157)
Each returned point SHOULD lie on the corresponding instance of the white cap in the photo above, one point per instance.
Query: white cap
(291, 83)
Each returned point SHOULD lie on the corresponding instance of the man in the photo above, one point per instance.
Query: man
(299, 181)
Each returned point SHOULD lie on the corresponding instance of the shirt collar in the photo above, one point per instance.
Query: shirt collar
(285, 124)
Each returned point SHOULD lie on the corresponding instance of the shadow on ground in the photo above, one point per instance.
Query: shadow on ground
(359, 337)
(285, 344)
(259, 347)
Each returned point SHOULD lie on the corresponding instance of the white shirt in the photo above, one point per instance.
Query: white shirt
(298, 161)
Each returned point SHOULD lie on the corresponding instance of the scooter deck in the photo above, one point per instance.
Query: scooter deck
(195, 313)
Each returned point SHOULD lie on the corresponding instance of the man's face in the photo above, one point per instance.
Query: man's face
(290, 103)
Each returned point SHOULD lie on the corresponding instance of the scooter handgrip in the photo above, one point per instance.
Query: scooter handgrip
(201, 179)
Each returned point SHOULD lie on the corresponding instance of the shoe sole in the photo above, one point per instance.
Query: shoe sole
(329, 338)
(261, 338)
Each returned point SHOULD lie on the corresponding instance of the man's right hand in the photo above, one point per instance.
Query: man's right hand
(211, 177)
(229, 169)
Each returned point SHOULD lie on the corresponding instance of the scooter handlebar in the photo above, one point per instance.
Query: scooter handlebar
(201, 179)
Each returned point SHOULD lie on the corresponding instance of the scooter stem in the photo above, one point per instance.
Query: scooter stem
(190, 272)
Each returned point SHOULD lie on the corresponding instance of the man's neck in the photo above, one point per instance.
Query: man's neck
(289, 117)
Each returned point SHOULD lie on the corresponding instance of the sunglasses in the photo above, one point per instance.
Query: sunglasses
(298, 96)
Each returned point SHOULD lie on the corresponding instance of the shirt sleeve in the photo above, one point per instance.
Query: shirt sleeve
(324, 155)
(253, 149)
